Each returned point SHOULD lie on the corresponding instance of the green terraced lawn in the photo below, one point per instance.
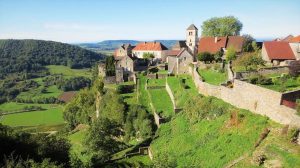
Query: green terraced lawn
(13, 106)
(156, 82)
(68, 72)
(213, 77)
(53, 115)
(161, 102)
(207, 143)
(180, 93)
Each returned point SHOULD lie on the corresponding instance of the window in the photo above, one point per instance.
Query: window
(184, 58)
(190, 44)
(190, 33)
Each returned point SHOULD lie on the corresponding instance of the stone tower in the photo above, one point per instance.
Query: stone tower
(192, 38)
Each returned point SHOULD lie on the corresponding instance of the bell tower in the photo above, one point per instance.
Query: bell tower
(192, 38)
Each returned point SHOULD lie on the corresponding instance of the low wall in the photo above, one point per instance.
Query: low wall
(262, 71)
(251, 97)
(170, 93)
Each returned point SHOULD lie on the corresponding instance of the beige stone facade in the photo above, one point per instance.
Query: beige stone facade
(179, 64)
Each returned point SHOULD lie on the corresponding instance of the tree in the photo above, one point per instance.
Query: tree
(205, 57)
(250, 61)
(230, 54)
(101, 139)
(138, 123)
(221, 26)
(218, 56)
(110, 66)
(112, 107)
(149, 57)
(248, 43)
(80, 109)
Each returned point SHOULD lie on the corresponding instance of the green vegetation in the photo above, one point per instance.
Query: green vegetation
(161, 102)
(51, 116)
(248, 61)
(230, 54)
(67, 71)
(274, 82)
(212, 76)
(207, 137)
(182, 88)
(221, 26)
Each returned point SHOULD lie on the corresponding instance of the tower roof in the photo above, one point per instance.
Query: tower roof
(192, 27)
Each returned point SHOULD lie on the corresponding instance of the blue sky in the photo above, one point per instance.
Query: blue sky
(96, 20)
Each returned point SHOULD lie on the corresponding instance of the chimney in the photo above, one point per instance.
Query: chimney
(216, 39)
(145, 42)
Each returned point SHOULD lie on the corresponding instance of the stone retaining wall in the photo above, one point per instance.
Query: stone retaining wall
(251, 97)
(170, 93)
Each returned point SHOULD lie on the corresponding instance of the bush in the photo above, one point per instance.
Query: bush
(205, 57)
(121, 89)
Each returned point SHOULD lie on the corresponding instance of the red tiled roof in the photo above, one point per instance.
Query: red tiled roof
(279, 50)
(208, 44)
(295, 39)
(173, 52)
(150, 46)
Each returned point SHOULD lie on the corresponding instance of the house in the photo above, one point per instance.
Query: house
(215, 44)
(155, 48)
(123, 50)
(277, 52)
(295, 45)
(179, 61)
(125, 68)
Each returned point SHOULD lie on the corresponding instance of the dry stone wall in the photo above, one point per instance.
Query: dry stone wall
(251, 97)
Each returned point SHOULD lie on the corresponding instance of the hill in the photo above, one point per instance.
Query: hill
(113, 44)
(32, 55)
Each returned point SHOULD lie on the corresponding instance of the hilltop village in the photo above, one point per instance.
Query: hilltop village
(196, 54)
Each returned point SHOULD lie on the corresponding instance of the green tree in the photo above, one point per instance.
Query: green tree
(112, 107)
(221, 26)
(101, 139)
(218, 56)
(250, 61)
(230, 54)
(110, 66)
(248, 43)
(80, 109)
(138, 123)
(205, 57)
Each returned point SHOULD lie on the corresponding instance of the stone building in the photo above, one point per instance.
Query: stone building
(123, 50)
(155, 48)
(277, 52)
(192, 38)
(126, 64)
(179, 61)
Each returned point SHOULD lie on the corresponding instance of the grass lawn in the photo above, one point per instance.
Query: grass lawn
(68, 72)
(157, 82)
(161, 102)
(291, 84)
(143, 98)
(52, 91)
(208, 143)
(52, 116)
(212, 76)
(180, 93)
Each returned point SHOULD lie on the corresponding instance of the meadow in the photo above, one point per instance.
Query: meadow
(212, 76)
(52, 115)
(68, 72)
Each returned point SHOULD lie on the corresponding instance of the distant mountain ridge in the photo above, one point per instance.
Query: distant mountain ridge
(113, 44)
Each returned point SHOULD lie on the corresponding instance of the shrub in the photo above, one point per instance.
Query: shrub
(205, 57)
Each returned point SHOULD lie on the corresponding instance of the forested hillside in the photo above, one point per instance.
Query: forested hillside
(32, 55)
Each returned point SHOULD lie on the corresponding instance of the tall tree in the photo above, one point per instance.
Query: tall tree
(221, 26)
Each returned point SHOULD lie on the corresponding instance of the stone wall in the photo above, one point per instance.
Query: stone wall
(262, 71)
(170, 93)
(251, 97)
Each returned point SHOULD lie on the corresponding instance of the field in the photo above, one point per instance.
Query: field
(212, 76)
(68, 72)
(51, 116)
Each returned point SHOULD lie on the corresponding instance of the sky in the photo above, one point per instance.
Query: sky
(76, 21)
